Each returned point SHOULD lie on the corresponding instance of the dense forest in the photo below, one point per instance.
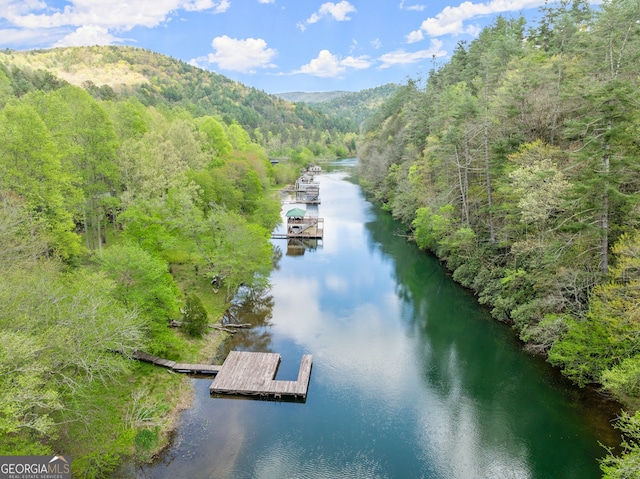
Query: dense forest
(114, 72)
(353, 106)
(113, 207)
(517, 163)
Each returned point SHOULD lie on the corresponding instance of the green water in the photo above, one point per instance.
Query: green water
(411, 377)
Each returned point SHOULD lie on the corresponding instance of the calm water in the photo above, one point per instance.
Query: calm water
(411, 378)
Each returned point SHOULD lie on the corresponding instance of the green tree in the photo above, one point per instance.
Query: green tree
(215, 142)
(31, 167)
(143, 283)
(608, 88)
(194, 317)
(236, 250)
(607, 335)
(93, 150)
(627, 464)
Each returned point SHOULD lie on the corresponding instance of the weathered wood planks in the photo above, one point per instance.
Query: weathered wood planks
(245, 373)
(177, 367)
(250, 373)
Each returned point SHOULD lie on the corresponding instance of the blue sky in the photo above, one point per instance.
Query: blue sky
(273, 45)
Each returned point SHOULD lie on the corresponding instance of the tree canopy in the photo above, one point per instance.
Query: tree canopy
(516, 162)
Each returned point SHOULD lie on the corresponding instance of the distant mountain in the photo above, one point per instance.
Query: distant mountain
(110, 72)
(312, 96)
(354, 107)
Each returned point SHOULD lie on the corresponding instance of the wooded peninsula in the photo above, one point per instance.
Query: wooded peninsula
(129, 182)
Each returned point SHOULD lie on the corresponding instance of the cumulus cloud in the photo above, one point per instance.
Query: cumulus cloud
(401, 57)
(98, 20)
(415, 36)
(88, 35)
(328, 65)
(244, 56)
(451, 19)
(115, 14)
(337, 11)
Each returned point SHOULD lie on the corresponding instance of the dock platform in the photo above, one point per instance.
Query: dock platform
(244, 373)
(253, 374)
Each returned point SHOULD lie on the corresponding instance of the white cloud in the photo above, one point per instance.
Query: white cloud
(266, 1)
(376, 43)
(221, 7)
(114, 14)
(88, 35)
(98, 20)
(9, 8)
(451, 19)
(201, 5)
(339, 11)
(359, 63)
(328, 65)
(415, 8)
(15, 36)
(401, 57)
(415, 36)
(243, 56)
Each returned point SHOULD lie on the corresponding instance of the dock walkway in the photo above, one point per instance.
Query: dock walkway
(177, 367)
(245, 373)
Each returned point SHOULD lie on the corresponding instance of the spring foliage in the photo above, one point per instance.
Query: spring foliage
(516, 162)
(97, 195)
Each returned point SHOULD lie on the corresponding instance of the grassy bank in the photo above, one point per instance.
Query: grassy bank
(138, 412)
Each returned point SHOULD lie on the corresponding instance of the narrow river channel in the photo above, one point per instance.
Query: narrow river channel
(411, 377)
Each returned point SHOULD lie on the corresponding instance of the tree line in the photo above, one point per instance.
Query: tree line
(517, 163)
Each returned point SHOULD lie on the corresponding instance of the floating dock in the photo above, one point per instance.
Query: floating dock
(253, 374)
(245, 373)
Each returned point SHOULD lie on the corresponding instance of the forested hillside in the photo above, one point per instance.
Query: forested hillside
(115, 72)
(116, 213)
(311, 96)
(518, 163)
(353, 107)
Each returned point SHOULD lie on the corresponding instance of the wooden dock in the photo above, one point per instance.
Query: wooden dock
(177, 367)
(253, 374)
(244, 373)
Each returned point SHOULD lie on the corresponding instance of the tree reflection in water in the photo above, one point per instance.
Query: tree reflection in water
(250, 306)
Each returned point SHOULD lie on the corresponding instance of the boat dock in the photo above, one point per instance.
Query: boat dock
(307, 227)
(249, 373)
(245, 373)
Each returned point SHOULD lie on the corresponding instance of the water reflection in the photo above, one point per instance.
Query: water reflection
(253, 307)
(411, 378)
(298, 246)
